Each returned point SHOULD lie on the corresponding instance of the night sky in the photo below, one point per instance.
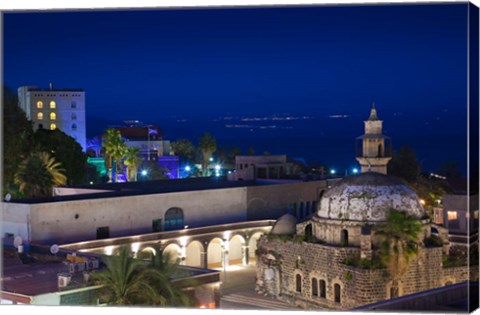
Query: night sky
(410, 59)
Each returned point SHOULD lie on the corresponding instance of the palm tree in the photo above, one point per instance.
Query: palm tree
(95, 144)
(114, 149)
(207, 146)
(125, 281)
(165, 268)
(133, 159)
(400, 234)
(38, 174)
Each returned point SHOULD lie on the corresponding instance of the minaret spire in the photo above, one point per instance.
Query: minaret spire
(373, 113)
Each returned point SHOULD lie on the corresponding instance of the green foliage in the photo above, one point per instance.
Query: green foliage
(114, 148)
(449, 261)
(37, 174)
(65, 150)
(348, 276)
(207, 145)
(374, 263)
(433, 241)
(17, 140)
(404, 165)
(154, 171)
(185, 150)
(133, 159)
(128, 281)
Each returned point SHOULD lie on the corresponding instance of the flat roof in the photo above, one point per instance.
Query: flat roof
(145, 188)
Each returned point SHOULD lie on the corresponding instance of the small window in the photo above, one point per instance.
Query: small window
(40, 126)
(103, 232)
(337, 290)
(53, 104)
(452, 215)
(39, 104)
(314, 287)
(53, 116)
(323, 291)
(40, 116)
(53, 126)
(74, 116)
(344, 238)
(74, 105)
(74, 126)
(298, 283)
(157, 225)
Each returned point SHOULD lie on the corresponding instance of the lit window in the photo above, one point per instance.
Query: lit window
(53, 116)
(475, 215)
(40, 116)
(53, 104)
(452, 215)
(39, 104)
(53, 126)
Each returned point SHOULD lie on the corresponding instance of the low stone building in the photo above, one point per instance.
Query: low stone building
(331, 260)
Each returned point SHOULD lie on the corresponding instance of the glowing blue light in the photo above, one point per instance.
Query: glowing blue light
(144, 172)
(217, 174)
(188, 168)
(217, 167)
(211, 159)
(332, 171)
(355, 171)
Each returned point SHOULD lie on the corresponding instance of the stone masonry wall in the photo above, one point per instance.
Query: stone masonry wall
(283, 260)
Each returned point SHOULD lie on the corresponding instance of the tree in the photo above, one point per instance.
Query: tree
(65, 150)
(207, 146)
(17, 139)
(133, 159)
(114, 149)
(400, 234)
(450, 169)
(38, 174)
(404, 165)
(154, 170)
(185, 150)
(126, 282)
(95, 145)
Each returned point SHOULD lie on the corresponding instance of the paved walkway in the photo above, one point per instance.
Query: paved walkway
(238, 292)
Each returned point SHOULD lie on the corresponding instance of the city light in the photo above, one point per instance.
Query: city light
(217, 167)
(211, 159)
(422, 202)
(188, 168)
(144, 173)
(355, 171)
(332, 172)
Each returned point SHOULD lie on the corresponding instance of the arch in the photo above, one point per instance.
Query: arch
(39, 104)
(235, 251)
(344, 237)
(147, 253)
(214, 253)
(74, 116)
(53, 104)
(314, 284)
(337, 293)
(39, 116)
(53, 116)
(53, 126)
(194, 254)
(309, 232)
(322, 286)
(174, 219)
(174, 250)
(252, 245)
(74, 126)
(298, 283)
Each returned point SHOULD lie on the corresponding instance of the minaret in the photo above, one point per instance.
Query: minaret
(373, 148)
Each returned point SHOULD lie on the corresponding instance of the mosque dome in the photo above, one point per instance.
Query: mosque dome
(285, 225)
(368, 197)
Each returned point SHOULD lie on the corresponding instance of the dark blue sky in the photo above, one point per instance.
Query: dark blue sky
(410, 59)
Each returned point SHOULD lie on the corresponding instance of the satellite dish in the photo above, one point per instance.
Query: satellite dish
(8, 197)
(17, 241)
(54, 249)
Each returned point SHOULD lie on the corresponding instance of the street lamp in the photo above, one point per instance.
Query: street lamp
(188, 168)
(144, 173)
(355, 171)
(332, 171)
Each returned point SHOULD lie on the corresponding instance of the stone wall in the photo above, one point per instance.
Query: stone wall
(282, 260)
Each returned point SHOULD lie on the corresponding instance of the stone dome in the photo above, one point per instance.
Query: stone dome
(368, 197)
(285, 225)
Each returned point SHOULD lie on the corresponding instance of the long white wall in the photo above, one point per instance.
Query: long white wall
(78, 220)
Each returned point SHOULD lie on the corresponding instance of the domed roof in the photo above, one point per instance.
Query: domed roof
(368, 197)
(285, 225)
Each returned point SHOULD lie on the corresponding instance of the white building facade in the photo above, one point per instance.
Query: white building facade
(51, 109)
